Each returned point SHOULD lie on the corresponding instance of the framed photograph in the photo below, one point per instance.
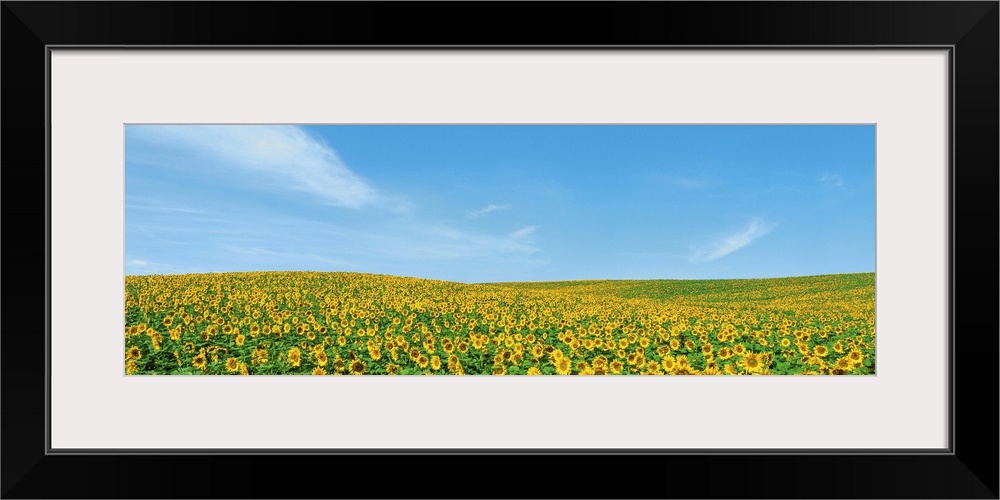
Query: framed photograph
(237, 193)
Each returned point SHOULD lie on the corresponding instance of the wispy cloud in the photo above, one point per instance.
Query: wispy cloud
(399, 240)
(831, 180)
(524, 231)
(277, 156)
(268, 254)
(448, 243)
(488, 209)
(145, 266)
(734, 242)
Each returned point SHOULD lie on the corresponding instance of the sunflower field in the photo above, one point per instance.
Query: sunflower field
(277, 323)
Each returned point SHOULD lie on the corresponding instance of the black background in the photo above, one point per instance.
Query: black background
(972, 472)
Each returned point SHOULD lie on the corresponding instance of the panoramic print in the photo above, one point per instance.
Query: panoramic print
(499, 250)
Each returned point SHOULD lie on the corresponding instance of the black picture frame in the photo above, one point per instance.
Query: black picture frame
(968, 470)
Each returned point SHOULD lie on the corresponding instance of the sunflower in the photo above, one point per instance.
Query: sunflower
(131, 367)
(617, 366)
(632, 359)
(240, 339)
(339, 365)
(653, 368)
(669, 363)
(750, 363)
(199, 361)
(422, 361)
(392, 369)
(133, 353)
(295, 356)
(232, 364)
(563, 366)
(711, 370)
(821, 351)
(321, 358)
(675, 344)
(600, 361)
(357, 367)
(556, 355)
(155, 338)
(534, 371)
(243, 369)
(435, 363)
(537, 351)
(318, 371)
(477, 343)
(456, 368)
(259, 356)
(843, 363)
(856, 357)
(684, 369)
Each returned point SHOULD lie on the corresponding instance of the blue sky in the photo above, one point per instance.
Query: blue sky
(488, 203)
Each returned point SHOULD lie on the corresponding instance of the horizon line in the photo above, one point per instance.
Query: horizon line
(507, 282)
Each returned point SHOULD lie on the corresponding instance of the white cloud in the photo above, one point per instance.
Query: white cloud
(135, 267)
(488, 209)
(292, 256)
(397, 240)
(282, 156)
(521, 233)
(832, 180)
(732, 243)
(444, 242)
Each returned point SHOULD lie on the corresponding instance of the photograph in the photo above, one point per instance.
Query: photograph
(749, 190)
(499, 249)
